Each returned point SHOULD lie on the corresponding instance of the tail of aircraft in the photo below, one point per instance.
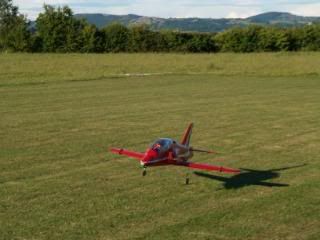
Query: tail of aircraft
(187, 135)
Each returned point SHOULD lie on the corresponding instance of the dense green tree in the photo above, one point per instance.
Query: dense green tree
(89, 39)
(201, 43)
(59, 30)
(283, 40)
(160, 41)
(250, 40)
(230, 40)
(293, 36)
(116, 38)
(142, 39)
(168, 40)
(311, 38)
(14, 35)
(268, 40)
(240, 39)
(100, 41)
(35, 43)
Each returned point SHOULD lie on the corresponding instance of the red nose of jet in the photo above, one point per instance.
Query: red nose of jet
(149, 155)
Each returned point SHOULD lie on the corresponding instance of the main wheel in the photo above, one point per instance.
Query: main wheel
(187, 181)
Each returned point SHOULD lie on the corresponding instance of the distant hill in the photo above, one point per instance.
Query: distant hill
(282, 18)
(200, 24)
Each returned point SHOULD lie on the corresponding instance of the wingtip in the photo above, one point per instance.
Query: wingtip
(113, 150)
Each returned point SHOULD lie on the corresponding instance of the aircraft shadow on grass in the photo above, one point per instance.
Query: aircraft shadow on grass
(249, 177)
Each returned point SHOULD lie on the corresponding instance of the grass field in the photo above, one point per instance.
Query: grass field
(60, 114)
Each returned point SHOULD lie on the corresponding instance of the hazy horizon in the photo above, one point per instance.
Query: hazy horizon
(176, 9)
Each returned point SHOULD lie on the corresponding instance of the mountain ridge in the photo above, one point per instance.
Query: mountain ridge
(281, 19)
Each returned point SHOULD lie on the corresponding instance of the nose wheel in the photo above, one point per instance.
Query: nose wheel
(144, 172)
(187, 179)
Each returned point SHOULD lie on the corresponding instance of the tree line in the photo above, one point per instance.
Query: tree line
(57, 30)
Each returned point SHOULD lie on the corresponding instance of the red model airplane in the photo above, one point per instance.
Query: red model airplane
(166, 151)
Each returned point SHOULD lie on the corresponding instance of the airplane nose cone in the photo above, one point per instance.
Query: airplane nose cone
(149, 155)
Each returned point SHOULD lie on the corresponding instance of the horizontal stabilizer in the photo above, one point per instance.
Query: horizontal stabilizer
(202, 151)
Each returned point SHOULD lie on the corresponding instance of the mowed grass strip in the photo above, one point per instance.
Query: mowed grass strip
(35, 69)
(61, 113)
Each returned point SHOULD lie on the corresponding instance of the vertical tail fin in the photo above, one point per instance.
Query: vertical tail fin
(187, 135)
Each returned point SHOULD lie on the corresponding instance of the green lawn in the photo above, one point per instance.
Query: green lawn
(61, 113)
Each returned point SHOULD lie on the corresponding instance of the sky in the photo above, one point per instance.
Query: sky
(177, 8)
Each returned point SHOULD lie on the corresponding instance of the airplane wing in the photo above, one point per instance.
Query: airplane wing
(208, 167)
(121, 151)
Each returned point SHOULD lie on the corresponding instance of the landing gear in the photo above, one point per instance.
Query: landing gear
(187, 179)
(144, 172)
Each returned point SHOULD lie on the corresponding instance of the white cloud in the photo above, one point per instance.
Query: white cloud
(306, 10)
(234, 14)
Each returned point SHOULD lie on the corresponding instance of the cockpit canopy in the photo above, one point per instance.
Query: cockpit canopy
(162, 145)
